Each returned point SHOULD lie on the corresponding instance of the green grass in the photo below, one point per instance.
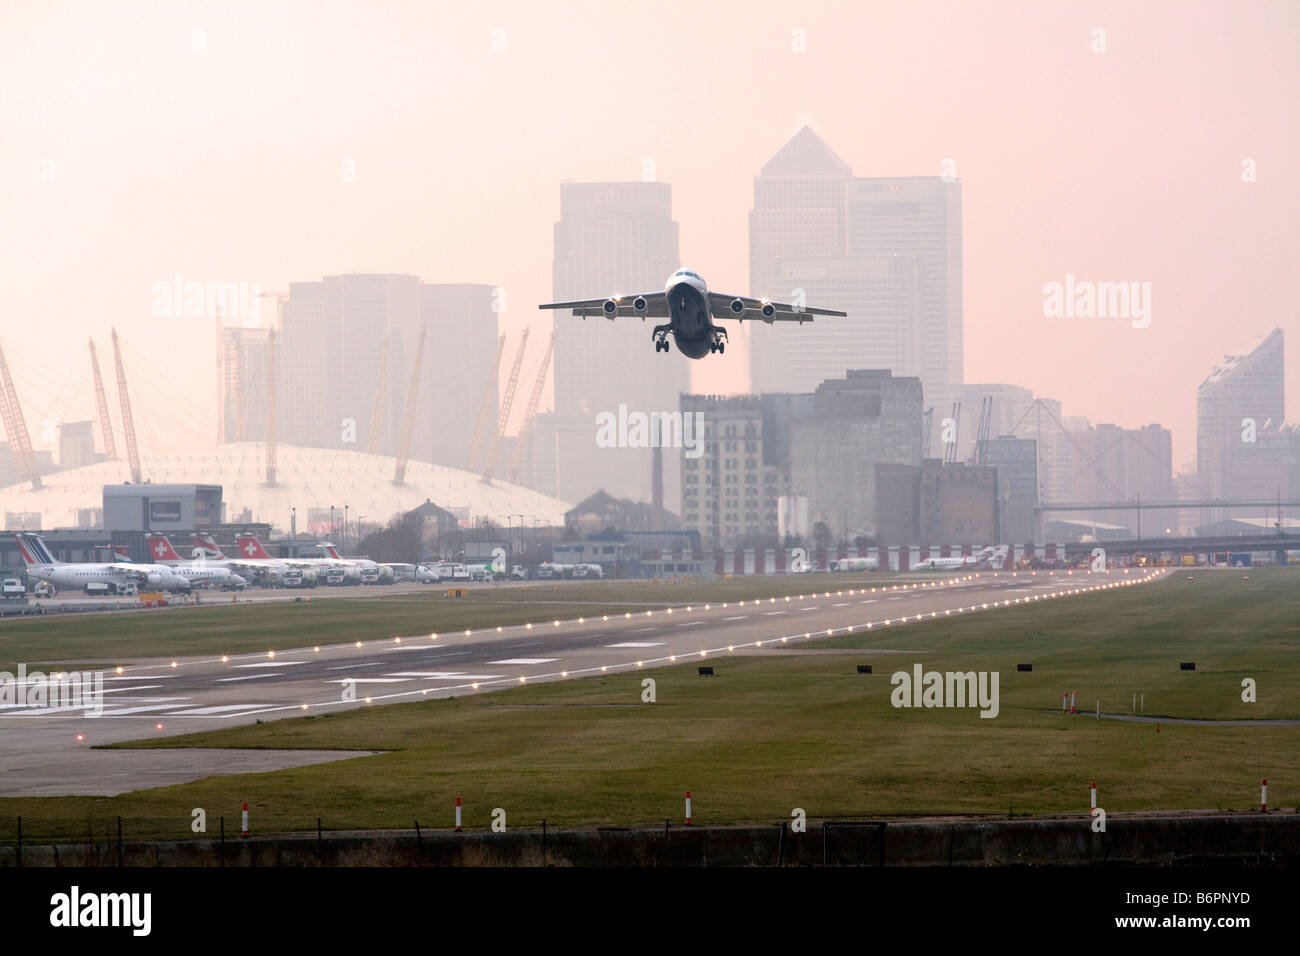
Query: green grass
(322, 619)
(767, 735)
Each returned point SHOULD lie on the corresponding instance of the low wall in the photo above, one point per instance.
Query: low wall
(1272, 839)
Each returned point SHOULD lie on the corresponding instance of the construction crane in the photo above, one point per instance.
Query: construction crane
(128, 423)
(484, 418)
(490, 464)
(927, 429)
(270, 407)
(982, 430)
(530, 413)
(381, 389)
(11, 412)
(105, 423)
(950, 448)
(408, 418)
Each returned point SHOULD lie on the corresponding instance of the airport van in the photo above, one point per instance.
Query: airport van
(14, 590)
(129, 589)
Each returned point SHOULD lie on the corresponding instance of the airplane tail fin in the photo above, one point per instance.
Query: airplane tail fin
(33, 550)
(206, 546)
(250, 547)
(160, 548)
(120, 553)
(330, 551)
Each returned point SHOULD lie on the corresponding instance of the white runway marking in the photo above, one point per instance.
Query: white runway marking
(770, 613)
(738, 617)
(204, 711)
(272, 664)
(448, 675)
(689, 623)
(227, 680)
(810, 609)
(638, 644)
(870, 601)
(526, 660)
(841, 604)
(141, 710)
(368, 680)
(345, 667)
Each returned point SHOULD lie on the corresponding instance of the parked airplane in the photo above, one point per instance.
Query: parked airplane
(42, 565)
(372, 572)
(328, 570)
(690, 309)
(197, 572)
(252, 567)
(990, 555)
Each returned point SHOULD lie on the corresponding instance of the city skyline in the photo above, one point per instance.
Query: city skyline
(234, 187)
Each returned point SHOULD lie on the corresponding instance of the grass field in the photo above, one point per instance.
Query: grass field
(321, 619)
(805, 730)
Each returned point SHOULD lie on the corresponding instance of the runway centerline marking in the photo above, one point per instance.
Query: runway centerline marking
(526, 660)
(638, 644)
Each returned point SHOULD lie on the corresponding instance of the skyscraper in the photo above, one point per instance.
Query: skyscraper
(611, 238)
(887, 251)
(1239, 400)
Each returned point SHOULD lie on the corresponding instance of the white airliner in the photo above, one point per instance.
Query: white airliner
(994, 556)
(690, 309)
(250, 567)
(197, 572)
(328, 570)
(42, 565)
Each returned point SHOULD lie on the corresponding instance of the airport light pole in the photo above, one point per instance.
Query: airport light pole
(345, 528)
(510, 535)
(293, 523)
(331, 521)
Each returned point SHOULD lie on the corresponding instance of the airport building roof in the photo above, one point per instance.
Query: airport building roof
(306, 478)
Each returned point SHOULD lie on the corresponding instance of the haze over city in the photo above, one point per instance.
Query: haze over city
(150, 140)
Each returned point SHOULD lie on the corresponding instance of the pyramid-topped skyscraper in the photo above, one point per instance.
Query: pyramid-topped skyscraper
(887, 251)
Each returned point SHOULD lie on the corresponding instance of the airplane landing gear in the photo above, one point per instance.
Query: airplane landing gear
(660, 335)
(719, 343)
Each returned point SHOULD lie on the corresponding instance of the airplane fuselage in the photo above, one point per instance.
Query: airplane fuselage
(692, 329)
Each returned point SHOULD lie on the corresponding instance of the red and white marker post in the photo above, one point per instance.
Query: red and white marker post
(1263, 795)
(1072, 696)
(688, 808)
(1092, 789)
(245, 821)
(458, 814)
(1065, 701)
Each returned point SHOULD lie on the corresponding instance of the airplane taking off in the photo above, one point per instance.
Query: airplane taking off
(42, 565)
(690, 309)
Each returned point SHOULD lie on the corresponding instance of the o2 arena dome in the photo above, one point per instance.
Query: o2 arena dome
(305, 478)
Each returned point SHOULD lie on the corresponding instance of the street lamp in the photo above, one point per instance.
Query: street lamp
(293, 523)
(510, 535)
(345, 529)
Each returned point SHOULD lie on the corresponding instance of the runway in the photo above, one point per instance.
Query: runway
(46, 751)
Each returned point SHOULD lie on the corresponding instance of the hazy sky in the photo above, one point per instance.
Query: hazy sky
(209, 139)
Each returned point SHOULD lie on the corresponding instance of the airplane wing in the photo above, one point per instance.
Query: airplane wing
(723, 307)
(656, 306)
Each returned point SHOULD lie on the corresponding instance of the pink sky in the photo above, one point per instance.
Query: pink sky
(224, 165)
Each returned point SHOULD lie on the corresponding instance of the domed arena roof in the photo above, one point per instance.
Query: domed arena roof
(305, 478)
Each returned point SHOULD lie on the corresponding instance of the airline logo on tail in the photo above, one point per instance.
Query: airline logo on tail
(206, 546)
(331, 551)
(33, 550)
(250, 547)
(160, 548)
(120, 553)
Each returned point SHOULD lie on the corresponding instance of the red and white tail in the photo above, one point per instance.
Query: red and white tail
(206, 546)
(160, 548)
(331, 551)
(250, 547)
